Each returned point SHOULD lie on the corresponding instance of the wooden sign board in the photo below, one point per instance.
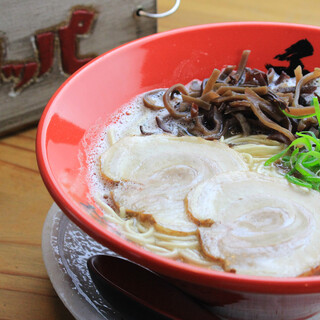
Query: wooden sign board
(43, 42)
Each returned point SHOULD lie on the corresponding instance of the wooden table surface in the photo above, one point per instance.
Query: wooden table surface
(25, 289)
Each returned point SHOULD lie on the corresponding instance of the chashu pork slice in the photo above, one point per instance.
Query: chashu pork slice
(135, 158)
(155, 173)
(263, 226)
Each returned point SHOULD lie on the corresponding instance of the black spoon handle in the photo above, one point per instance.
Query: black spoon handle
(140, 293)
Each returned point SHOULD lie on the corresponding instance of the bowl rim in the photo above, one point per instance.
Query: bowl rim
(168, 267)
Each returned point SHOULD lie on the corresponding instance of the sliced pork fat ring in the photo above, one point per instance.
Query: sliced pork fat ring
(262, 226)
(156, 173)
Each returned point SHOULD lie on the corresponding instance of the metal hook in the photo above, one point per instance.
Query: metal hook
(141, 13)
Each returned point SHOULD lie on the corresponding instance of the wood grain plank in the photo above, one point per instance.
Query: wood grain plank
(20, 141)
(21, 157)
(22, 260)
(24, 203)
(26, 284)
(208, 11)
(31, 133)
(27, 306)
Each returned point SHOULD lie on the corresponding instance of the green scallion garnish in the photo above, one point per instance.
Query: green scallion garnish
(297, 117)
(302, 157)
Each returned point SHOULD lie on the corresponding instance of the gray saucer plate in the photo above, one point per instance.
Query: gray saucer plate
(65, 250)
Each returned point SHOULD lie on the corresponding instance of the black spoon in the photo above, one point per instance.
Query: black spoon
(138, 293)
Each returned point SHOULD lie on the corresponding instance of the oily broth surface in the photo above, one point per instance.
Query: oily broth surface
(255, 150)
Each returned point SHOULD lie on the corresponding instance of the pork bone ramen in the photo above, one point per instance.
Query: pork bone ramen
(181, 173)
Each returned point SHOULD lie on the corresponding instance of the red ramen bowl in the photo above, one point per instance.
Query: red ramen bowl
(79, 111)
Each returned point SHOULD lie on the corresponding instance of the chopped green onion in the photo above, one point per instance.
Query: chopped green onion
(299, 166)
(286, 158)
(297, 117)
(311, 137)
(298, 181)
(315, 103)
(276, 157)
(304, 161)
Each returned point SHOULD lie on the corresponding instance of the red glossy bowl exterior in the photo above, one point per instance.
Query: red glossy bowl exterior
(79, 109)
